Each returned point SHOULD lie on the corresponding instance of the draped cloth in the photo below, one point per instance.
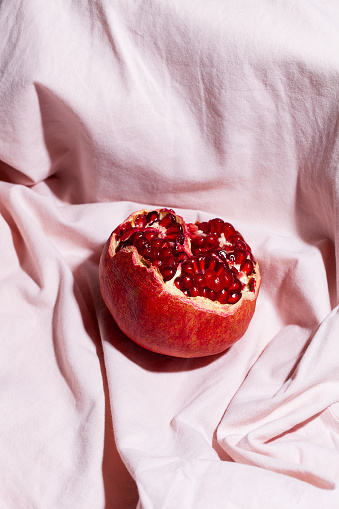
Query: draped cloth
(225, 108)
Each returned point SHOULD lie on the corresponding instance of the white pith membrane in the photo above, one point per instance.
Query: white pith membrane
(190, 232)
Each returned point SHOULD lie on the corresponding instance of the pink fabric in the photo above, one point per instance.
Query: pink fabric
(219, 108)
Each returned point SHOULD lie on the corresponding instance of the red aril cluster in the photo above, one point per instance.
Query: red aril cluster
(158, 238)
(207, 259)
(210, 278)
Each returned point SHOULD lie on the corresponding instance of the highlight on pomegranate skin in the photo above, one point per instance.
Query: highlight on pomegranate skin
(180, 289)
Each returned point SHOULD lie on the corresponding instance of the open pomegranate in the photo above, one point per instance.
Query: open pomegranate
(186, 290)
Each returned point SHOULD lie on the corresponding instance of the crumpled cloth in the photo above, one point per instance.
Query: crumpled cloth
(216, 109)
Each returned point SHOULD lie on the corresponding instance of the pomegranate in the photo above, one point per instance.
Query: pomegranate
(186, 290)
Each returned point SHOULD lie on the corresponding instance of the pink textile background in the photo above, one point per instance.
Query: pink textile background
(222, 108)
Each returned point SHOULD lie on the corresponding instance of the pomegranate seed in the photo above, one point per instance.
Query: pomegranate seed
(216, 225)
(156, 242)
(204, 292)
(222, 296)
(247, 267)
(239, 255)
(187, 280)
(140, 242)
(195, 262)
(198, 250)
(186, 292)
(203, 226)
(150, 234)
(168, 273)
(187, 268)
(195, 236)
(157, 263)
(192, 228)
(226, 278)
(165, 252)
(201, 262)
(152, 216)
(209, 276)
(231, 257)
(168, 220)
(250, 256)
(216, 284)
(154, 254)
(177, 228)
(241, 244)
(140, 221)
(136, 235)
(234, 297)
(145, 250)
(212, 295)
(198, 241)
(176, 248)
(228, 230)
(126, 233)
(167, 210)
(220, 268)
(200, 279)
(211, 262)
(170, 261)
(251, 284)
(177, 283)
(236, 236)
(211, 240)
(173, 234)
(194, 291)
(236, 286)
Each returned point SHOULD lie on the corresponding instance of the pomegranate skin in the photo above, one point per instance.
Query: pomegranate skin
(159, 317)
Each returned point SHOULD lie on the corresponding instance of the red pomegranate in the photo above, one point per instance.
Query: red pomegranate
(186, 290)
